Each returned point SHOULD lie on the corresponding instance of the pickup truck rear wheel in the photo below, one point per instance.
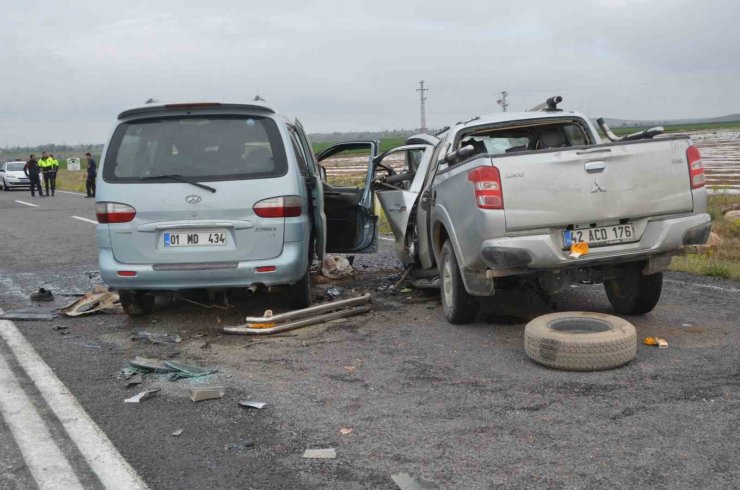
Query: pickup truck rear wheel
(136, 303)
(631, 292)
(457, 305)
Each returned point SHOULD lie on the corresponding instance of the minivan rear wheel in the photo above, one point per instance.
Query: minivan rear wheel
(300, 292)
(136, 303)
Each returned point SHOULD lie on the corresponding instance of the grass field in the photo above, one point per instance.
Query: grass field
(681, 128)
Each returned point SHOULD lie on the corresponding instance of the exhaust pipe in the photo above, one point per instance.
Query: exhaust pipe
(608, 132)
(550, 105)
(252, 289)
(640, 135)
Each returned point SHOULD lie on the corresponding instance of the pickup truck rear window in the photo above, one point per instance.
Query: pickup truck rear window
(207, 148)
(539, 136)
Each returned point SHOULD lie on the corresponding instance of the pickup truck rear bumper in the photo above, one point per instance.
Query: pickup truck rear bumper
(545, 251)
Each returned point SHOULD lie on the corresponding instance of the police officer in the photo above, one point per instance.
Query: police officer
(92, 172)
(47, 168)
(55, 169)
(31, 169)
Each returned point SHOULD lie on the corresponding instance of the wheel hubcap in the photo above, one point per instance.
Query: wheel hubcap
(447, 282)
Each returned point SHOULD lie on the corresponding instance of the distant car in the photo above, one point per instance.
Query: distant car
(220, 196)
(12, 176)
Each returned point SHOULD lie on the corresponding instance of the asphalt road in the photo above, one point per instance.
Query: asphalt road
(460, 405)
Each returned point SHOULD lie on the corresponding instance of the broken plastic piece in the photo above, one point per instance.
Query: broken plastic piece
(200, 394)
(661, 343)
(98, 301)
(405, 482)
(578, 249)
(252, 404)
(42, 295)
(334, 292)
(156, 338)
(345, 430)
(136, 379)
(150, 364)
(178, 432)
(60, 327)
(187, 371)
(141, 396)
(329, 453)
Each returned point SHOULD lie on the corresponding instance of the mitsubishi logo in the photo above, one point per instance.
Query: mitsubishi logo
(195, 199)
(597, 188)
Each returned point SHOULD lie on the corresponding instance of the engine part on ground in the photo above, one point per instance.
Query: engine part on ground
(580, 341)
(266, 325)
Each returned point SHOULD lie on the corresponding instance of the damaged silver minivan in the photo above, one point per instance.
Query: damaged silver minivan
(220, 196)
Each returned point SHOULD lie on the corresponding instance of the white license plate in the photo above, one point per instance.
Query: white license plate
(601, 236)
(208, 238)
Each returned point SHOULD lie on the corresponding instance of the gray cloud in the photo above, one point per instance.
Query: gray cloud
(67, 70)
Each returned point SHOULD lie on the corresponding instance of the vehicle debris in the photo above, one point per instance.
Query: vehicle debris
(578, 249)
(212, 393)
(176, 370)
(329, 453)
(178, 432)
(91, 346)
(252, 404)
(404, 481)
(660, 342)
(100, 300)
(156, 338)
(304, 317)
(238, 446)
(60, 327)
(345, 431)
(334, 292)
(42, 295)
(335, 267)
(27, 315)
(134, 380)
(138, 398)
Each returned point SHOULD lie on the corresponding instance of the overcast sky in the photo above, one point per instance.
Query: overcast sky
(67, 69)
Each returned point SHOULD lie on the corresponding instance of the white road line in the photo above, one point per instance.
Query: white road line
(70, 192)
(27, 203)
(44, 459)
(85, 220)
(112, 470)
(704, 286)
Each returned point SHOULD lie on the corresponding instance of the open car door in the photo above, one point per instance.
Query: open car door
(351, 224)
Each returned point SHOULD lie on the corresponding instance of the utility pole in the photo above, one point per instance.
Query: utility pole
(502, 101)
(423, 97)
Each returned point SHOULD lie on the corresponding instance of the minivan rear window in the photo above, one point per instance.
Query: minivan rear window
(207, 148)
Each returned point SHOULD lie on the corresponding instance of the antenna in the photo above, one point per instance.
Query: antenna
(423, 97)
(502, 101)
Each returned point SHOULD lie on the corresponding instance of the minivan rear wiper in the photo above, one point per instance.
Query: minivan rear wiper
(180, 178)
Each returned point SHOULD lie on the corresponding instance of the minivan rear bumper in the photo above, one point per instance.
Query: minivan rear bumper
(290, 266)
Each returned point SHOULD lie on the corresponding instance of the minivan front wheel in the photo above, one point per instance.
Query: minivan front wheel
(136, 303)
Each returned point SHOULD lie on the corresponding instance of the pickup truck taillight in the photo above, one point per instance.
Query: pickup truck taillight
(696, 169)
(487, 185)
(278, 207)
(114, 212)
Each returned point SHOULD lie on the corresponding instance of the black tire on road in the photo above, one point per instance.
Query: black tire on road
(632, 292)
(457, 305)
(136, 303)
(580, 341)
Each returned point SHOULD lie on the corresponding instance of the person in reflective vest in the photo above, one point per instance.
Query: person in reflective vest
(46, 163)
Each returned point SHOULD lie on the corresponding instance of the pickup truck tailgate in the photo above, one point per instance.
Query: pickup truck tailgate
(586, 185)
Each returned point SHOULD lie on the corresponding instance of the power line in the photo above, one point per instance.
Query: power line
(422, 98)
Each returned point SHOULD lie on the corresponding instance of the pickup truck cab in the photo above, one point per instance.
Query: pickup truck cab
(501, 199)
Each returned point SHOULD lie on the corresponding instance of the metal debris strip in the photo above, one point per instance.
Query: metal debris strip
(156, 338)
(141, 396)
(329, 453)
(300, 318)
(252, 404)
(404, 481)
(100, 300)
(178, 432)
(176, 370)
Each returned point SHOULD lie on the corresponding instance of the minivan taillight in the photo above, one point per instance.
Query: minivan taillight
(279, 207)
(114, 212)
(487, 185)
(696, 169)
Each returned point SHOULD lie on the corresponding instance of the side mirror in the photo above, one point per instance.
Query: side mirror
(460, 154)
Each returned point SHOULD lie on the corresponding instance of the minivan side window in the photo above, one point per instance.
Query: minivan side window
(205, 147)
(299, 156)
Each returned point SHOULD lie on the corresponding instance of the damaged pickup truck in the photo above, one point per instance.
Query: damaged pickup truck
(499, 201)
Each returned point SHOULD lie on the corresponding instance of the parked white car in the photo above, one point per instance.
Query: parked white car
(12, 176)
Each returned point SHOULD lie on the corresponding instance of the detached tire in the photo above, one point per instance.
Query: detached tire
(457, 305)
(632, 292)
(580, 341)
(136, 303)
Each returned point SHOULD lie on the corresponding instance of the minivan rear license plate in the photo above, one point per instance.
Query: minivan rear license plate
(208, 238)
(601, 236)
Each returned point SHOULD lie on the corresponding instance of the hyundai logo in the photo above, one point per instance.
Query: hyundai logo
(193, 199)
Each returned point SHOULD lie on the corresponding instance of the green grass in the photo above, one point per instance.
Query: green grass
(385, 145)
(681, 128)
